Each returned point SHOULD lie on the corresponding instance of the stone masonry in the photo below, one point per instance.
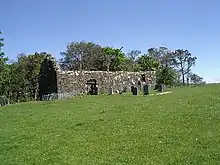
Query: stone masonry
(75, 81)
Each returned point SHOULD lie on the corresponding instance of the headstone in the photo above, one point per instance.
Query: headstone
(139, 85)
(135, 91)
(96, 90)
(110, 92)
(161, 88)
(146, 89)
(132, 89)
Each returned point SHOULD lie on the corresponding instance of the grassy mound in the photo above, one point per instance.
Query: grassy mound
(177, 128)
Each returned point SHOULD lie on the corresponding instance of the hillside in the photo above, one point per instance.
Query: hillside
(178, 128)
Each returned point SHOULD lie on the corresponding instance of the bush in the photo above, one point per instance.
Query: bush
(3, 100)
(166, 76)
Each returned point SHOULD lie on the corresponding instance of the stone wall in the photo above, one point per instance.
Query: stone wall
(75, 81)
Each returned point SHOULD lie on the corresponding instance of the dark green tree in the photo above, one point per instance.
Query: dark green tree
(47, 77)
(114, 59)
(167, 76)
(148, 63)
(1, 45)
(27, 70)
(4, 70)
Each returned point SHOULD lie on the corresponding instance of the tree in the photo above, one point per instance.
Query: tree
(196, 79)
(132, 59)
(3, 69)
(28, 69)
(16, 77)
(167, 76)
(81, 56)
(165, 73)
(148, 63)
(114, 59)
(153, 52)
(161, 54)
(108, 57)
(3, 59)
(48, 73)
(1, 45)
(188, 76)
(183, 61)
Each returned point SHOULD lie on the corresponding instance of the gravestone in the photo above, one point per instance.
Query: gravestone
(161, 88)
(110, 92)
(132, 89)
(146, 89)
(135, 91)
(96, 90)
(139, 85)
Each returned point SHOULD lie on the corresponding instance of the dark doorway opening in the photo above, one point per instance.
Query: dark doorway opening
(93, 90)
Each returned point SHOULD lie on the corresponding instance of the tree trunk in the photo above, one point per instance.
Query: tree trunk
(36, 92)
(187, 81)
(183, 74)
(80, 66)
(80, 63)
(108, 65)
(183, 79)
(108, 62)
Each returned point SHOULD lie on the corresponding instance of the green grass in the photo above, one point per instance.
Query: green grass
(179, 128)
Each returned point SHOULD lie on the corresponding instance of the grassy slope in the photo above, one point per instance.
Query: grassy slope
(178, 128)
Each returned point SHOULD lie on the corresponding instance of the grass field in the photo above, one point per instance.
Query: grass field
(178, 128)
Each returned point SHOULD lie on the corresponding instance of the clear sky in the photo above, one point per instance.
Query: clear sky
(49, 25)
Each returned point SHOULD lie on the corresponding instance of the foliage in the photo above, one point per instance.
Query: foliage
(162, 55)
(196, 79)
(167, 76)
(3, 69)
(183, 61)
(1, 46)
(20, 79)
(47, 74)
(24, 77)
(119, 59)
(90, 56)
(132, 60)
(114, 59)
(178, 128)
(148, 63)
(82, 56)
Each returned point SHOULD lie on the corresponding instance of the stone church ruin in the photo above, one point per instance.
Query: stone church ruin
(55, 81)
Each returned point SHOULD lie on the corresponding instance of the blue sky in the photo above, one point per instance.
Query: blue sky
(49, 25)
